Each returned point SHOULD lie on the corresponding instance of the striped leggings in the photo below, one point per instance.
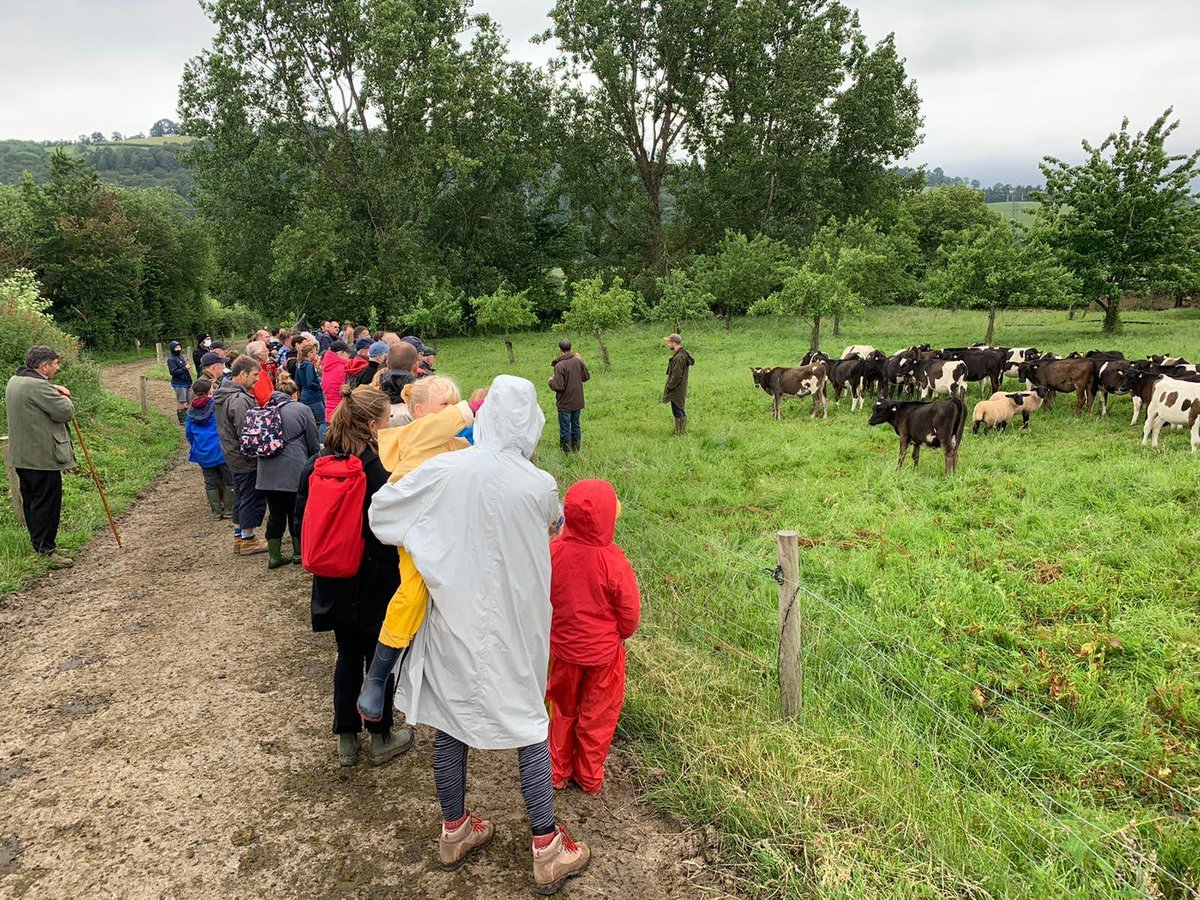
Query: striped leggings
(450, 777)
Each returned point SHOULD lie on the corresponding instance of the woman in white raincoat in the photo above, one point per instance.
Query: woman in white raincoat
(476, 524)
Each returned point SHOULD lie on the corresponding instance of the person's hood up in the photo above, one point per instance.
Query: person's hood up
(331, 362)
(511, 420)
(354, 366)
(200, 410)
(590, 509)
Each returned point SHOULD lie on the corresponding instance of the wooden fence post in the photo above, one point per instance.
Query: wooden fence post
(142, 395)
(14, 484)
(791, 647)
(158, 352)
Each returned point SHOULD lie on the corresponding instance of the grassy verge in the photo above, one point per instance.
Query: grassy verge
(1001, 668)
(128, 454)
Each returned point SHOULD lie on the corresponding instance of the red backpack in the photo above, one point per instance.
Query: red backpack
(331, 536)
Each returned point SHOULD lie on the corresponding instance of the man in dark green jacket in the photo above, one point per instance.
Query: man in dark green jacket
(675, 391)
(39, 446)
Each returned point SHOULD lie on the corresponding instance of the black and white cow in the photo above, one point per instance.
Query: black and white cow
(1172, 402)
(983, 364)
(1014, 356)
(898, 371)
(940, 376)
(1111, 380)
(936, 424)
(849, 375)
(797, 381)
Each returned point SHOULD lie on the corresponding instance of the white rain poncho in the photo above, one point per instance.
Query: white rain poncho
(476, 524)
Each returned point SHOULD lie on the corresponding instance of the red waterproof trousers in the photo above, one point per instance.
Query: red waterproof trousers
(585, 705)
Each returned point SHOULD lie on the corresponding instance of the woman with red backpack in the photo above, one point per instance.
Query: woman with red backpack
(354, 575)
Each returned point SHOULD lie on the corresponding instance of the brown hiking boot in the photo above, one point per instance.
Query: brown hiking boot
(252, 546)
(58, 560)
(454, 847)
(564, 858)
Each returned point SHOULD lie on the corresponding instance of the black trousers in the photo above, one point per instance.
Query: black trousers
(356, 649)
(282, 505)
(41, 500)
(251, 502)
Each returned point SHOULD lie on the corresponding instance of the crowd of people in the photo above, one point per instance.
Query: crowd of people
(459, 589)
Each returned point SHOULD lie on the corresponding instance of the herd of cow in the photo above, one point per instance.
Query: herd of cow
(1168, 388)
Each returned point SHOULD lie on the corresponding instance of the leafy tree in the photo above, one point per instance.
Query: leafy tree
(1125, 219)
(741, 272)
(680, 299)
(988, 268)
(595, 310)
(117, 136)
(505, 312)
(16, 230)
(942, 213)
(813, 295)
(163, 128)
(438, 308)
(97, 137)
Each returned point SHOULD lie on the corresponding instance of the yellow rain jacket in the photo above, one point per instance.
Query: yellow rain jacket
(401, 450)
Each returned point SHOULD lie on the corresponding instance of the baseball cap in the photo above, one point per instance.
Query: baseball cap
(417, 344)
(673, 338)
(339, 347)
(363, 343)
(209, 358)
(378, 348)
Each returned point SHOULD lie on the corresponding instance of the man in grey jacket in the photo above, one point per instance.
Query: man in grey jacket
(232, 401)
(40, 446)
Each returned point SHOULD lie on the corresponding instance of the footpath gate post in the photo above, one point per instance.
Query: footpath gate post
(791, 647)
(14, 484)
(158, 352)
(142, 396)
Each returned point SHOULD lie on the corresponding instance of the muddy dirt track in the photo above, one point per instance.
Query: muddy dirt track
(165, 732)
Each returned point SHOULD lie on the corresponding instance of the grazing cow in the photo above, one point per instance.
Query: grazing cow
(1172, 402)
(998, 410)
(982, 363)
(798, 381)
(941, 376)
(849, 375)
(1063, 376)
(936, 424)
(1098, 355)
(1110, 380)
(863, 350)
(1014, 356)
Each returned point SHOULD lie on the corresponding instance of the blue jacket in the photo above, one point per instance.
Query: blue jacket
(309, 383)
(178, 367)
(201, 432)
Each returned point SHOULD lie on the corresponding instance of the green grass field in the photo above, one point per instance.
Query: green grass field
(1001, 668)
(1020, 211)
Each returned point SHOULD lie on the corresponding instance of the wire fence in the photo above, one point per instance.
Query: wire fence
(851, 646)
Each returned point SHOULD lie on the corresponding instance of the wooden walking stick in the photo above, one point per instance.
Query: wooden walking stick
(96, 478)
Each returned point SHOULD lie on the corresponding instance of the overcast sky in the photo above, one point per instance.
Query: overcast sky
(1001, 83)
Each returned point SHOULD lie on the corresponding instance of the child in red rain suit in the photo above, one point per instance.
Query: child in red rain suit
(596, 607)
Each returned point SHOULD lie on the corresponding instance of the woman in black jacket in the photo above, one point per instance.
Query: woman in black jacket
(353, 608)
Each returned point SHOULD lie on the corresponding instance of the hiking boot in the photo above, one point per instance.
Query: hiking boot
(237, 545)
(214, 504)
(252, 546)
(347, 749)
(454, 847)
(371, 697)
(564, 858)
(58, 560)
(275, 548)
(386, 747)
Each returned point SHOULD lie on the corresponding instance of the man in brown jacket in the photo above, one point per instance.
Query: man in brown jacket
(675, 390)
(40, 446)
(567, 383)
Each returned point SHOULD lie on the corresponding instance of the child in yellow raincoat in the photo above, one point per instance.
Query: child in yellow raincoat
(439, 414)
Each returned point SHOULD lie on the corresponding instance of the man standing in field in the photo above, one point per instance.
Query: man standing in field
(567, 383)
(232, 400)
(40, 446)
(675, 391)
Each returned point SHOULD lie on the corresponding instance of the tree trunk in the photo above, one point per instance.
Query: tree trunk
(816, 334)
(837, 324)
(1178, 300)
(991, 325)
(603, 352)
(1112, 315)
(728, 320)
(1070, 313)
(508, 347)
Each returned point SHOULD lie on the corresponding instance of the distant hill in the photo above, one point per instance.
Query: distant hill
(133, 163)
(1020, 211)
(994, 194)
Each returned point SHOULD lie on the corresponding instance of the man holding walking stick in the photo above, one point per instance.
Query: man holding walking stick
(40, 446)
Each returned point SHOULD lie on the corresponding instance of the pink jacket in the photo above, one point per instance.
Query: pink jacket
(333, 375)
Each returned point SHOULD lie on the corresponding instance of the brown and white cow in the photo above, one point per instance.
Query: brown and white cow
(1172, 402)
(796, 381)
(936, 424)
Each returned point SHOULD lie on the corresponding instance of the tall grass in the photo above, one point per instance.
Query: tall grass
(1001, 667)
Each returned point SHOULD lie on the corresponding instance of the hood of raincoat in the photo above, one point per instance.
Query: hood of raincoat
(201, 410)
(590, 508)
(511, 420)
(355, 365)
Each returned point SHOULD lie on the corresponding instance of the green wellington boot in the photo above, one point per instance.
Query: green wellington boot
(227, 504)
(275, 549)
(296, 560)
(214, 503)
